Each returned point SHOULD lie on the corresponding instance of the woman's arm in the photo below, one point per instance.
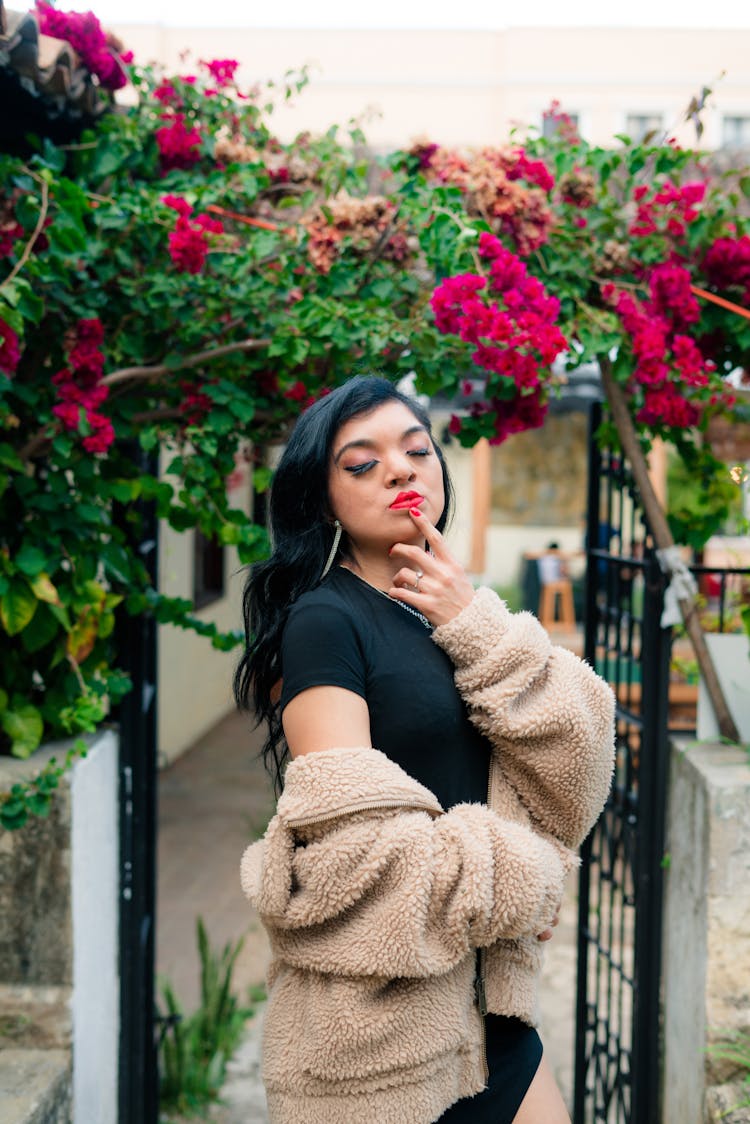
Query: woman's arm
(323, 716)
(549, 716)
(355, 876)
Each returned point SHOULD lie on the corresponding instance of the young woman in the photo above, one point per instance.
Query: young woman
(445, 762)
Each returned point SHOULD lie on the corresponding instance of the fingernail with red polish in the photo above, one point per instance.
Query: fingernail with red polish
(414, 511)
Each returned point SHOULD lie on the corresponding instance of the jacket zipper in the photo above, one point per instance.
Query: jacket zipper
(480, 982)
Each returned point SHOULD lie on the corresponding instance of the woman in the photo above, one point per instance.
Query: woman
(445, 761)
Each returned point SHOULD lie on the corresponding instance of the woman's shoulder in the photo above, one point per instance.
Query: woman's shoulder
(329, 602)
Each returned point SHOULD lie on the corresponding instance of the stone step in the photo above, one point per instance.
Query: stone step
(35, 1087)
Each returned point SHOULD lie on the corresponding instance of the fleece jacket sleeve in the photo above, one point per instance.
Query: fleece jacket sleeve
(400, 892)
(548, 715)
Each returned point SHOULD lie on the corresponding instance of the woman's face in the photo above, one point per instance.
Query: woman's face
(383, 463)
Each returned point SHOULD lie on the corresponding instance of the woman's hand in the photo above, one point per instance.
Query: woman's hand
(431, 581)
(547, 934)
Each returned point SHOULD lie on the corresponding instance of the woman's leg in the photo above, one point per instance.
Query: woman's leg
(543, 1103)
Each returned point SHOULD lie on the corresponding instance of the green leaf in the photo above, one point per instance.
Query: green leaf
(10, 458)
(3, 700)
(13, 814)
(242, 408)
(229, 534)
(30, 560)
(116, 562)
(42, 629)
(262, 477)
(24, 726)
(108, 159)
(53, 157)
(60, 613)
(17, 607)
(44, 590)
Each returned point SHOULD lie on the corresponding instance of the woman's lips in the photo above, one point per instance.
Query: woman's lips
(405, 500)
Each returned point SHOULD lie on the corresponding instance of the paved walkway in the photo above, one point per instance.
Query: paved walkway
(212, 802)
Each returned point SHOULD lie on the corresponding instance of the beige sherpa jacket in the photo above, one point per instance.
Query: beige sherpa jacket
(375, 899)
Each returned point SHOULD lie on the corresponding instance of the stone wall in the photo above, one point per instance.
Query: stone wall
(707, 931)
(539, 477)
(59, 963)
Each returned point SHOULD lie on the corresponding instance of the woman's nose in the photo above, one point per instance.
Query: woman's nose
(401, 468)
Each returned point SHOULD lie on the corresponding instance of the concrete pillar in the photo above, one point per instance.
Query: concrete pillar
(707, 923)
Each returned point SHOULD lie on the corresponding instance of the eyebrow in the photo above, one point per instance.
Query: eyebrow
(366, 443)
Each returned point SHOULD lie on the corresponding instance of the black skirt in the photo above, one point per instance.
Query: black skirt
(514, 1051)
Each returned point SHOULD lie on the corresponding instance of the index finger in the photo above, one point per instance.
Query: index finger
(434, 539)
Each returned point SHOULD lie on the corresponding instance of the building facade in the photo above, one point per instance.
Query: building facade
(473, 87)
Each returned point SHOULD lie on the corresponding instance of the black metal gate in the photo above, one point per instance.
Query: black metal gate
(136, 639)
(620, 903)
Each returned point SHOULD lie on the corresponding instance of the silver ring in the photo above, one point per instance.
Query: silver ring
(420, 574)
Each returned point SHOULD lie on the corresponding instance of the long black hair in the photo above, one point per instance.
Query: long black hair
(302, 537)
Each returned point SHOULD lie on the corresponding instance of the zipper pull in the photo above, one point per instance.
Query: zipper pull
(481, 995)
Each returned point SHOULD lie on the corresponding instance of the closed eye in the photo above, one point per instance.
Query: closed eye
(418, 452)
(358, 469)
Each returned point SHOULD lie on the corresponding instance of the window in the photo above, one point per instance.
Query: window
(559, 122)
(208, 571)
(639, 125)
(735, 132)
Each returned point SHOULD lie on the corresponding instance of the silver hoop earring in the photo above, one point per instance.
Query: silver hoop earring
(334, 549)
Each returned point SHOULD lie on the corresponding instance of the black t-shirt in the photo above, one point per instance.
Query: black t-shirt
(346, 634)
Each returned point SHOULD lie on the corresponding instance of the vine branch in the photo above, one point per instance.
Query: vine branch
(663, 538)
(160, 369)
(37, 231)
(156, 371)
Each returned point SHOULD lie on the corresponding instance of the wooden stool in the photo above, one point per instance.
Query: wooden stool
(548, 605)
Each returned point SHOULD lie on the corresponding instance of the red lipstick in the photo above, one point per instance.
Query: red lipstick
(405, 500)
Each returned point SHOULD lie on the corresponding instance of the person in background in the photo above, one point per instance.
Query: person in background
(551, 566)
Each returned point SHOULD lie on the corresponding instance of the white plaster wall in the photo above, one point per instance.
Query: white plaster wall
(471, 87)
(507, 544)
(460, 467)
(195, 680)
(95, 914)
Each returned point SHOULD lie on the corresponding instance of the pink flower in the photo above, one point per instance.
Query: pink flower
(9, 235)
(666, 407)
(298, 392)
(80, 389)
(196, 403)
(189, 244)
(10, 352)
(533, 171)
(671, 209)
(85, 35)
(671, 295)
(177, 203)
(178, 145)
(512, 327)
(525, 411)
(69, 414)
(727, 264)
(221, 70)
(166, 94)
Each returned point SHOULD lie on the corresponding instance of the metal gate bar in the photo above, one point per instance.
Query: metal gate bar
(136, 638)
(620, 896)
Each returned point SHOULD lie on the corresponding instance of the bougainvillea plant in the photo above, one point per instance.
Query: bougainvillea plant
(180, 280)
